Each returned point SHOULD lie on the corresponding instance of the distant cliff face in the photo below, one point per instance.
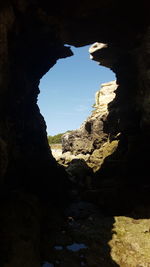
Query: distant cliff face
(104, 96)
(90, 141)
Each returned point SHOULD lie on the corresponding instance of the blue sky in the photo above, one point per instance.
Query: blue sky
(67, 91)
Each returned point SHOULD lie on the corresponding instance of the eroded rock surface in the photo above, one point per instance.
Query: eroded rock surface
(130, 243)
(20, 230)
(87, 237)
(90, 142)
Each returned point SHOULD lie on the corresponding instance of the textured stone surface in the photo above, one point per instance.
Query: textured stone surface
(19, 230)
(130, 243)
(104, 54)
(90, 142)
(107, 240)
(104, 96)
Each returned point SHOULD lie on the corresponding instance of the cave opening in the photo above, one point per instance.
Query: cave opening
(67, 91)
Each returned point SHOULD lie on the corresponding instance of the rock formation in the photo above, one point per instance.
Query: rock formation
(90, 142)
(33, 35)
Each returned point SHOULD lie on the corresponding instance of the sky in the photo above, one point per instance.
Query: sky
(67, 91)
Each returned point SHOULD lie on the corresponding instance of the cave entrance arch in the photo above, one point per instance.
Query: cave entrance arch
(67, 91)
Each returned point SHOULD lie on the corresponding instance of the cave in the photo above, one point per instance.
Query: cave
(33, 36)
(66, 103)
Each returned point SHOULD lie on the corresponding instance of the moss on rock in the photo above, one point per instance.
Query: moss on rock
(130, 244)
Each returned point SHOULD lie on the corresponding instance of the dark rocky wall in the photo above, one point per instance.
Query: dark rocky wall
(30, 53)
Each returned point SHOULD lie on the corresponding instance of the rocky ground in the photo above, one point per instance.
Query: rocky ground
(80, 234)
(56, 150)
(87, 237)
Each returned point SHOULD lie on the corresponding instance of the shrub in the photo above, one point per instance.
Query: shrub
(56, 139)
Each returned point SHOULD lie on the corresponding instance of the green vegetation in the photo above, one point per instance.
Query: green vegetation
(56, 139)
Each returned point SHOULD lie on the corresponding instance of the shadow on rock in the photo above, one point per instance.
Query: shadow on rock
(81, 239)
(80, 173)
